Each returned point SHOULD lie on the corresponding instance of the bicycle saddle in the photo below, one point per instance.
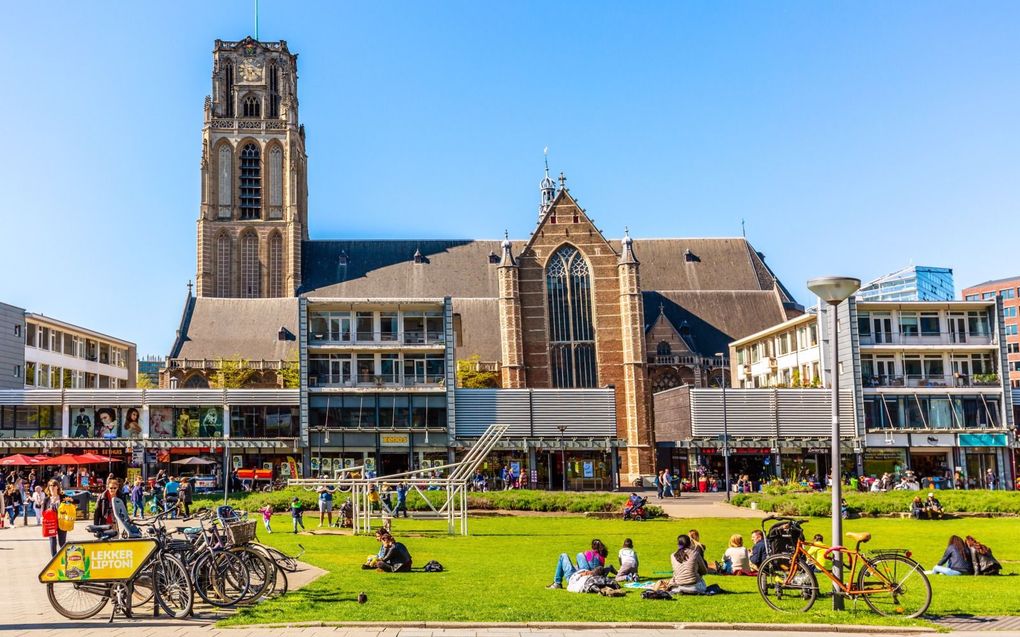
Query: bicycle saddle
(859, 537)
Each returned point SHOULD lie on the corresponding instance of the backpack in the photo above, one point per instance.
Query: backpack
(597, 582)
(433, 567)
(67, 512)
(653, 594)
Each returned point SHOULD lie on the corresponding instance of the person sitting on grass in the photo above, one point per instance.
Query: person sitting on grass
(628, 563)
(380, 537)
(982, 559)
(592, 560)
(955, 560)
(688, 568)
(933, 507)
(759, 551)
(916, 508)
(736, 558)
(818, 552)
(395, 558)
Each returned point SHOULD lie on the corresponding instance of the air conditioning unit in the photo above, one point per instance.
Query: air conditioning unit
(313, 381)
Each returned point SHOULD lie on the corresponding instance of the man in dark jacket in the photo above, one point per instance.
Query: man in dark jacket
(758, 551)
(395, 557)
(104, 505)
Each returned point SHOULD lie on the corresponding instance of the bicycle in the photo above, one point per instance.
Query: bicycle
(889, 581)
(85, 576)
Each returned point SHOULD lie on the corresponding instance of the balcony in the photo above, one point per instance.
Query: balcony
(217, 363)
(691, 360)
(921, 381)
(368, 339)
(377, 380)
(930, 338)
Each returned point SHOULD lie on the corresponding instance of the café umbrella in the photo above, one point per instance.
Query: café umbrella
(18, 460)
(193, 460)
(65, 458)
(94, 458)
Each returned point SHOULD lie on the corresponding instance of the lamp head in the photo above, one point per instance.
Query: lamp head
(834, 289)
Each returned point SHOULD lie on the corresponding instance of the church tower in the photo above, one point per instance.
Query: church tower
(254, 211)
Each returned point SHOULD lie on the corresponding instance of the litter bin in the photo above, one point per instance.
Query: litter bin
(81, 500)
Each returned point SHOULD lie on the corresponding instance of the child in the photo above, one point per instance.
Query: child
(628, 563)
(267, 517)
(736, 558)
(296, 513)
(818, 552)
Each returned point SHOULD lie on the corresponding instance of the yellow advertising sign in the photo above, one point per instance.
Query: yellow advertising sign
(98, 561)
(395, 440)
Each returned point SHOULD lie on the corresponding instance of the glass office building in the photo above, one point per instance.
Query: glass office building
(913, 283)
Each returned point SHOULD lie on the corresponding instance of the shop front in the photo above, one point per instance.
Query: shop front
(573, 465)
(931, 459)
(378, 453)
(886, 453)
(985, 458)
(675, 456)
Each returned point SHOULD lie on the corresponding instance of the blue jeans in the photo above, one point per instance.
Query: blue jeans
(137, 508)
(564, 569)
(944, 570)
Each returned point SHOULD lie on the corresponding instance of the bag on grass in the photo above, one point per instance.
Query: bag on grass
(653, 594)
(433, 567)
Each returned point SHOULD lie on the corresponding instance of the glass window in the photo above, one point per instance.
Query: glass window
(366, 368)
(940, 414)
(434, 368)
(1008, 293)
(1009, 312)
(318, 325)
(571, 329)
(29, 373)
(388, 326)
(912, 365)
(933, 367)
(390, 368)
(414, 327)
(365, 328)
(30, 340)
(973, 297)
(908, 324)
(44, 338)
(812, 335)
(978, 323)
(393, 411)
(864, 324)
(915, 411)
(434, 327)
(930, 323)
(987, 296)
(251, 182)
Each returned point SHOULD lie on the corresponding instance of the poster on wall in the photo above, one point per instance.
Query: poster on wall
(515, 468)
(199, 422)
(237, 461)
(133, 425)
(212, 423)
(426, 464)
(349, 463)
(81, 422)
(327, 465)
(107, 423)
(314, 462)
(161, 422)
(133, 473)
(589, 470)
(267, 466)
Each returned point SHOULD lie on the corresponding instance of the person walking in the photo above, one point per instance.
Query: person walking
(138, 499)
(658, 485)
(667, 484)
(297, 514)
(52, 501)
(990, 479)
(38, 501)
(185, 494)
(401, 500)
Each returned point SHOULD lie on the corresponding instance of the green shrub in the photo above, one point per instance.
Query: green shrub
(514, 500)
(819, 503)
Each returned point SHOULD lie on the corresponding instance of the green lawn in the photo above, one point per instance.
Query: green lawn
(498, 574)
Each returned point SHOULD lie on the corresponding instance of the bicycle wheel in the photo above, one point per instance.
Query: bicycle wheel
(141, 588)
(173, 590)
(76, 600)
(261, 571)
(787, 587)
(221, 579)
(903, 590)
(282, 560)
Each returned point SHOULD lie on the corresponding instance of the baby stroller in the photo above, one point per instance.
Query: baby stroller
(346, 518)
(782, 537)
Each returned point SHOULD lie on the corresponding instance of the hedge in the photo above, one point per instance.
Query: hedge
(514, 500)
(797, 502)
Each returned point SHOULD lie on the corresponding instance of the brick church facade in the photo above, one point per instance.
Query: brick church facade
(565, 307)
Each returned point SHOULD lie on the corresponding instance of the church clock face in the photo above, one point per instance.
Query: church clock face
(250, 71)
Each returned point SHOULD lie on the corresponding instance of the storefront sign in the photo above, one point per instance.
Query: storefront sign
(884, 454)
(98, 561)
(752, 450)
(887, 440)
(932, 440)
(394, 440)
(816, 450)
(982, 440)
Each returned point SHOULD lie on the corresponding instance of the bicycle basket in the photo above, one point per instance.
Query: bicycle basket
(783, 537)
(240, 533)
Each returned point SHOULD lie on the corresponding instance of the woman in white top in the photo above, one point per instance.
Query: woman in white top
(737, 559)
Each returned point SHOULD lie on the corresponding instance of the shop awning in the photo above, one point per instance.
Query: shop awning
(162, 443)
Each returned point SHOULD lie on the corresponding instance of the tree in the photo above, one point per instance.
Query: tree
(233, 374)
(470, 375)
(142, 381)
(291, 374)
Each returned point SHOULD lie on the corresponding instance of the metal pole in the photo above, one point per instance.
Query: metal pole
(837, 518)
(726, 439)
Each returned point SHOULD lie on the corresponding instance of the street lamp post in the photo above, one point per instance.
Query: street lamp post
(725, 430)
(834, 290)
(563, 454)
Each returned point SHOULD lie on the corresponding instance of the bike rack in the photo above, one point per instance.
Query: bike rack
(454, 508)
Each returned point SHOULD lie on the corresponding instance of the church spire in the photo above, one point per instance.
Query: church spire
(508, 255)
(627, 248)
(547, 188)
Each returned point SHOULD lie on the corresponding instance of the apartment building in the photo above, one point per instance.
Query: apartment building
(1008, 290)
(59, 355)
(912, 283)
(927, 382)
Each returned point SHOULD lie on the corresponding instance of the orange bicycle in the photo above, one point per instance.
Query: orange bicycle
(888, 580)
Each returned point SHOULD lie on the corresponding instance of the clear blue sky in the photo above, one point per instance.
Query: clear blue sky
(851, 137)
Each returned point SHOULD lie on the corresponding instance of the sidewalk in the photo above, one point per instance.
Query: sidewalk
(702, 505)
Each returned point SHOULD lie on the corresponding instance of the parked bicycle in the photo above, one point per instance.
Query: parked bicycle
(888, 580)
